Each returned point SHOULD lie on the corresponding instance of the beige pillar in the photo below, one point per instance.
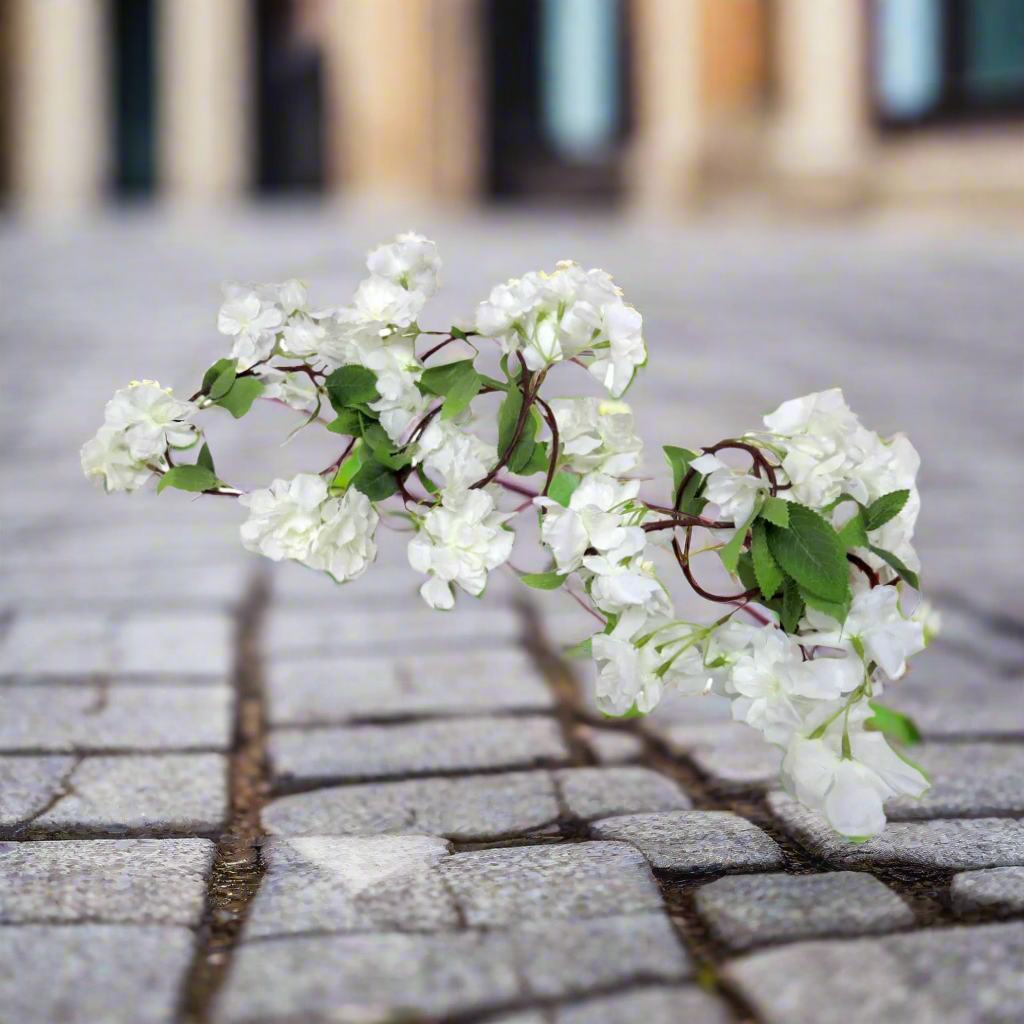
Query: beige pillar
(204, 91)
(60, 119)
(666, 159)
(821, 144)
(381, 99)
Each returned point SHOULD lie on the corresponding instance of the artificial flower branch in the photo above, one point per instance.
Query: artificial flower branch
(817, 531)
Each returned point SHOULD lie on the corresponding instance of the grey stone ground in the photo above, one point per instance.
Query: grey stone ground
(414, 819)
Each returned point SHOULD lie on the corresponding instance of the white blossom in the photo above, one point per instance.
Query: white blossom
(876, 623)
(616, 364)
(252, 321)
(343, 545)
(594, 518)
(774, 686)
(294, 389)
(627, 675)
(849, 790)
(733, 492)
(285, 518)
(107, 459)
(453, 457)
(460, 541)
(379, 300)
(411, 261)
(619, 584)
(152, 420)
(597, 434)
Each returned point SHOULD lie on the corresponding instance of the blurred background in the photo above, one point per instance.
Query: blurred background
(659, 104)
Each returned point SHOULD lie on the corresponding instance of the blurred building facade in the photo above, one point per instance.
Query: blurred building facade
(654, 103)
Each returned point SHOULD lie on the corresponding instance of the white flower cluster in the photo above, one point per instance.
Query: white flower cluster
(141, 422)
(551, 317)
(817, 528)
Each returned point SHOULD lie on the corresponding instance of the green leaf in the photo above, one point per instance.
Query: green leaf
(584, 649)
(508, 417)
(792, 605)
(188, 478)
(563, 486)
(842, 497)
(348, 422)
(679, 459)
(238, 401)
(223, 382)
(539, 460)
(731, 552)
(348, 469)
(457, 332)
(467, 388)
(745, 571)
(894, 724)
(428, 484)
(543, 580)
(492, 382)
(811, 553)
(215, 371)
(766, 570)
(887, 507)
(776, 511)
(890, 559)
(381, 445)
(853, 534)
(458, 382)
(374, 480)
(350, 386)
(837, 609)
(205, 458)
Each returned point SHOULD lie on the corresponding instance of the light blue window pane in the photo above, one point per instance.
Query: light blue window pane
(995, 47)
(909, 56)
(579, 69)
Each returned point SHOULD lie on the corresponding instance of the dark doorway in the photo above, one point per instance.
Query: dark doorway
(289, 109)
(133, 94)
(550, 135)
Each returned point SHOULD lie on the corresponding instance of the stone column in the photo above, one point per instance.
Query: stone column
(822, 138)
(381, 97)
(205, 99)
(666, 159)
(60, 117)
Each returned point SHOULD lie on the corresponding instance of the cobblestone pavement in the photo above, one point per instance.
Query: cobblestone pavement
(233, 792)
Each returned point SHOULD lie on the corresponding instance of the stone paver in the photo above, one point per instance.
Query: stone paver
(943, 844)
(82, 718)
(28, 784)
(88, 973)
(160, 792)
(105, 881)
(751, 764)
(417, 748)
(977, 780)
(589, 793)
(742, 911)
(994, 889)
(961, 701)
(520, 883)
(473, 808)
(652, 1005)
(337, 884)
(952, 975)
(694, 842)
(80, 643)
(403, 630)
(334, 691)
(612, 746)
(380, 977)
